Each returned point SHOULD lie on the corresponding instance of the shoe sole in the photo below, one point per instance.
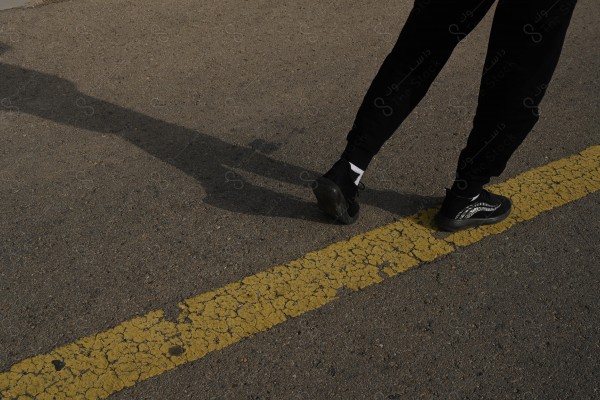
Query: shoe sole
(453, 225)
(332, 202)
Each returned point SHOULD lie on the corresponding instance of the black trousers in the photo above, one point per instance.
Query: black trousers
(524, 47)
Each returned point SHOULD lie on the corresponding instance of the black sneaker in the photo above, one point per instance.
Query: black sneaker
(336, 193)
(459, 212)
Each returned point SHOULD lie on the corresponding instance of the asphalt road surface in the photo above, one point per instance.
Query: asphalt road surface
(154, 151)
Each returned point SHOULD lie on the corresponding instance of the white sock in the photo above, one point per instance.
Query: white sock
(359, 171)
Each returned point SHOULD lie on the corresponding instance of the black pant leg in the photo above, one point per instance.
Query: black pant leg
(525, 44)
(430, 34)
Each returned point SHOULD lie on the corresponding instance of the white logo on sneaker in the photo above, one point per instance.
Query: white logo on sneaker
(473, 209)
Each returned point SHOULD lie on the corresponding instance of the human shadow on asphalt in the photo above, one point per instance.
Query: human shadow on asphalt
(209, 160)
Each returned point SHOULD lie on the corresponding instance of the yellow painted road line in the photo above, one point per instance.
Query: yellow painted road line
(97, 366)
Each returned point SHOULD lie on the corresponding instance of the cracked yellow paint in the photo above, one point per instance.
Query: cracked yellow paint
(97, 366)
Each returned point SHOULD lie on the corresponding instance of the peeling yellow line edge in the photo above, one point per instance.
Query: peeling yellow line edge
(97, 366)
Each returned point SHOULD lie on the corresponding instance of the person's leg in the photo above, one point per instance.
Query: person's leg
(430, 34)
(432, 31)
(525, 44)
(524, 48)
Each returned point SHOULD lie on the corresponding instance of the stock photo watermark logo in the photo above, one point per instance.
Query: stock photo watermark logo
(490, 156)
(533, 254)
(475, 166)
(234, 179)
(7, 34)
(8, 103)
(232, 31)
(545, 22)
(159, 34)
(380, 30)
(531, 103)
(83, 105)
(461, 29)
(407, 84)
(84, 32)
(306, 32)
(157, 102)
(497, 69)
(309, 181)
